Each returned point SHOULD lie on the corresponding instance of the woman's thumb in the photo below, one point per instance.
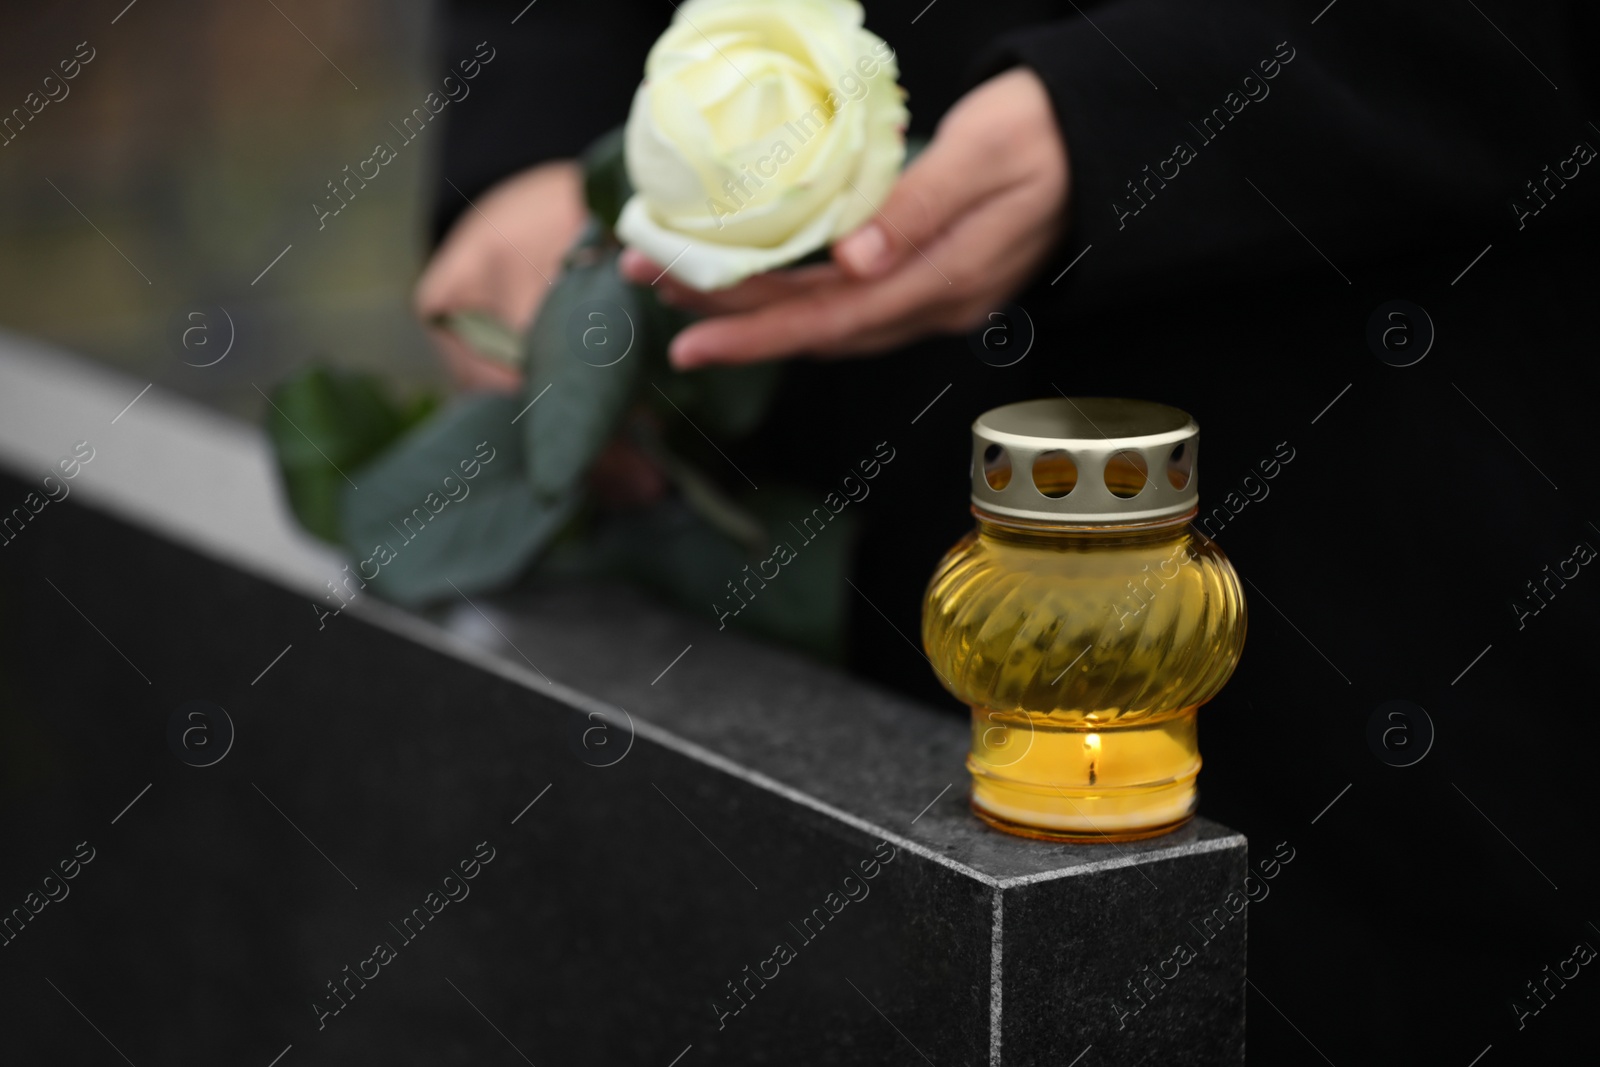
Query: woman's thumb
(925, 200)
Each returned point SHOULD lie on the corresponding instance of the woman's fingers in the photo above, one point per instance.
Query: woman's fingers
(472, 371)
(501, 256)
(982, 257)
(751, 293)
(958, 169)
(809, 322)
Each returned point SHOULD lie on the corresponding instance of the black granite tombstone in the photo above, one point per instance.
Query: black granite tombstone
(563, 821)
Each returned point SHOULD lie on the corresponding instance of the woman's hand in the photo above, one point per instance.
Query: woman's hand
(501, 256)
(964, 228)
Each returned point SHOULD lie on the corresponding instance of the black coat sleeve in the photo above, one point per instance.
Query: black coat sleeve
(1238, 136)
(562, 75)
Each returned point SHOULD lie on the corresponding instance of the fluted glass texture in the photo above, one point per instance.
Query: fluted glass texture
(1087, 627)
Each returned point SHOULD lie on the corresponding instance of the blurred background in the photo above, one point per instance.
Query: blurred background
(195, 143)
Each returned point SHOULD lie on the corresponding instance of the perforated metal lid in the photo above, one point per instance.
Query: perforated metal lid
(1085, 460)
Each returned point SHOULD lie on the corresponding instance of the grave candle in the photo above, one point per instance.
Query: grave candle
(1085, 619)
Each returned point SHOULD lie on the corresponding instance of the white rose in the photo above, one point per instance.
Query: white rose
(762, 132)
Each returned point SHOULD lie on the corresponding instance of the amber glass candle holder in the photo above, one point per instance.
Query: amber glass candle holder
(1084, 619)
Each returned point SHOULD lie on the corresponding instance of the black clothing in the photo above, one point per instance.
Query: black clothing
(1387, 155)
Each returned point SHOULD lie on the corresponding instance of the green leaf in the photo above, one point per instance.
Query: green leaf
(675, 554)
(483, 333)
(585, 355)
(732, 401)
(323, 425)
(451, 506)
(726, 401)
(807, 603)
(605, 178)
